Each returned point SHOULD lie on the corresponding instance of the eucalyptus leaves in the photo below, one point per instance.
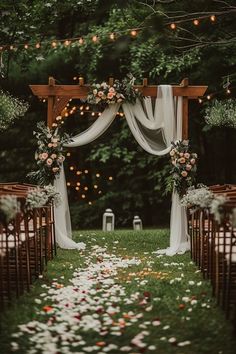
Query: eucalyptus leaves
(11, 108)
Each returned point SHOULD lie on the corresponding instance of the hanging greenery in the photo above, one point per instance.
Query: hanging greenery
(11, 108)
(221, 114)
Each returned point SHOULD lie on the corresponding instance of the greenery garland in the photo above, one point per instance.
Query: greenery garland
(221, 114)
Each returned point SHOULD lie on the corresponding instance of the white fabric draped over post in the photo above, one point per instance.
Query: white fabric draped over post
(154, 128)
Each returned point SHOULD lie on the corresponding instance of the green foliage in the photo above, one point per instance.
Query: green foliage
(221, 113)
(11, 108)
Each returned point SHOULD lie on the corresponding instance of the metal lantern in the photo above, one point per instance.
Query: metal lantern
(108, 221)
(137, 223)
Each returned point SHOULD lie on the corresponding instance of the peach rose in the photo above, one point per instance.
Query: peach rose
(49, 162)
(181, 154)
(100, 93)
(187, 155)
(188, 167)
(54, 145)
(53, 156)
(50, 145)
(110, 95)
(182, 160)
(192, 161)
(111, 89)
(44, 155)
(184, 173)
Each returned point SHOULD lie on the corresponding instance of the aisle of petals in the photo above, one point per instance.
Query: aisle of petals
(88, 316)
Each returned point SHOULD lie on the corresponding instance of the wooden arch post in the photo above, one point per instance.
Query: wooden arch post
(59, 95)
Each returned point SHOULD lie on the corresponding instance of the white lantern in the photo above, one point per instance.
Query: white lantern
(137, 223)
(108, 221)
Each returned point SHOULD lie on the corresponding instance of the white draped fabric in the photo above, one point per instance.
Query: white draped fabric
(154, 128)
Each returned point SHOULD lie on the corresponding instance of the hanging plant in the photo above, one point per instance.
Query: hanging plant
(49, 154)
(183, 171)
(221, 114)
(11, 108)
(121, 91)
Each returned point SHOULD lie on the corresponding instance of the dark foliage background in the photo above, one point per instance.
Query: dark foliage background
(205, 54)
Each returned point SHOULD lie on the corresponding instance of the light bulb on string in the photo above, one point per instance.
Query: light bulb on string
(26, 46)
(95, 38)
(67, 43)
(68, 154)
(83, 196)
(93, 114)
(87, 108)
(78, 183)
(72, 168)
(81, 113)
(54, 44)
(81, 108)
(37, 45)
(228, 91)
(173, 26)
(68, 184)
(85, 188)
(78, 173)
(200, 100)
(110, 178)
(95, 186)
(90, 203)
(213, 18)
(77, 188)
(196, 22)
(86, 171)
(208, 97)
(112, 36)
(97, 175)
(12, 47)
(133, 33)
(75, 78)
(81, 41)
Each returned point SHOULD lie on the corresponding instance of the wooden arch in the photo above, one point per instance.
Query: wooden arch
(59, 95)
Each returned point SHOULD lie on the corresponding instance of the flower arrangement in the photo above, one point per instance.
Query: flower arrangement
(9, 207)
(183, 171)
(200, 197)
(39, 197)
(221, 113)
(49, 154)
(121, 91)
(11, 108)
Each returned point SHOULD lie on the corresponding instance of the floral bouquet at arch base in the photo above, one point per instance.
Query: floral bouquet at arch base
(183, 171)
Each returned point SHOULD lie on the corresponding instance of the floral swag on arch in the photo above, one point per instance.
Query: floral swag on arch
(154, 125)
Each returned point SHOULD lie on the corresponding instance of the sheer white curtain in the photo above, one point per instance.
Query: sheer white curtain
(62, 212)
(154, 127)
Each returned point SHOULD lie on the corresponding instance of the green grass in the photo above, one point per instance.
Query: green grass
(203, 324)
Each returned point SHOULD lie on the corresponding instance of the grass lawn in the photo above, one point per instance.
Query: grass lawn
(177, 312)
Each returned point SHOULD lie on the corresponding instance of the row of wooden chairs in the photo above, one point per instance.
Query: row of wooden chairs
(26, 244)
(213, 248)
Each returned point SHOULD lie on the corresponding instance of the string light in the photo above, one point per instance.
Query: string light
(78, 173)
(95, 186)
(228, 91)
(72, 168)
(68, 184)
(78, 183)
(83, 196)
(133, 33)
(81, 41)
(82, 113)
(173, 26)
(200, 100)
(37, 45)
(86, 171)
(112, 36)
(196, 22)
(95, 38)
(85, 188)
(26, 46)
(213, 18)
(11, 47)
(98, 175)
(110, 178)
(54, 44)
(90, 203)
(208, 97)
(67, 42)
(99, 192)
(77, 188)
(75, 78)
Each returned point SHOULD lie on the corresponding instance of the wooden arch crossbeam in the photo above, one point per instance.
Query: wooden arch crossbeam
(59, 95)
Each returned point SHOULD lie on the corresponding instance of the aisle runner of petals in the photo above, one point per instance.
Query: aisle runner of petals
(90, 307)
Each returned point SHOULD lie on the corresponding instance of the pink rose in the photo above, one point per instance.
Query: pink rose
(55, 169)
(182, 160)
(53, 156)
(187, 155)
(49, 162)
(100, 93)
(188, 167)
(44, 155)
(50, 145)
(110, 95)
(184, 173)
(192, 161)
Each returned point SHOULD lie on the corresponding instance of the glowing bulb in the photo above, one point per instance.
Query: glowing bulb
(110, 178)
(98, 175)
(54, 44)
(81, 108)
(78, 183)
(99, 192)
(133, 33)
(68, 184)
(72, 168)
(95, 39)
(99, 113)
(213, 18)
(75, 78)
(44, 100)
(68, 154)
(93, 114)
(66, 43)
(90, 203)
(78, 173)
(95, 186)
(200, 100)
(26, 46)
(81, 113)
(121, 114)
(112, 36)
(208, 97)
(196, 22)
(228, 91)
(85, 171)
(81, 41)
(83, 196)
(11, 47)
(85, 188)
(66, 114)
(37, 45)
(173, 26)
(77, 188)
(87, 108)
